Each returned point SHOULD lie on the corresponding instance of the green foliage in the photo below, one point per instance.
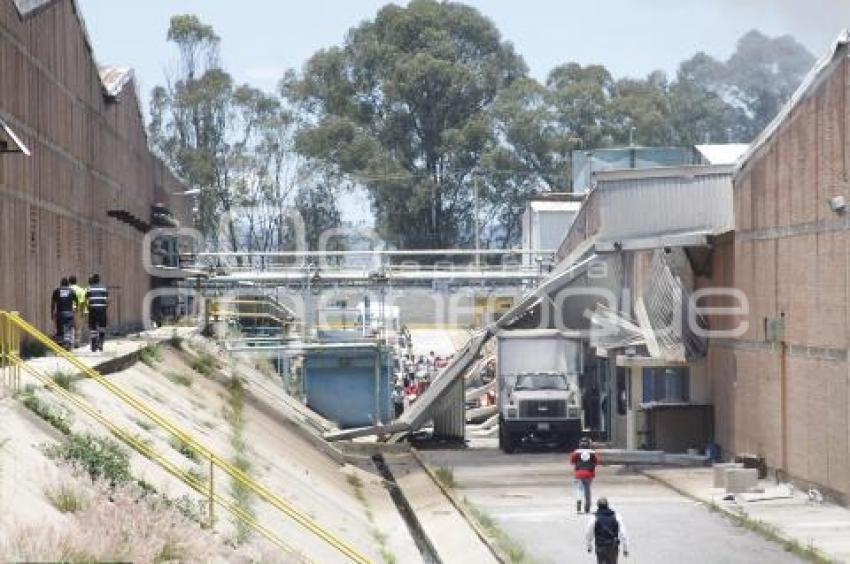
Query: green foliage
(60, 419)
(185, 449)
(205, 364)
(176, 341)
(401, 107)
(151, 355)
(101, 458)
(232, 141)
(513, 551)
(64, 381)
(423, 106)
(446, 476)
(180, 379)
(66, 497)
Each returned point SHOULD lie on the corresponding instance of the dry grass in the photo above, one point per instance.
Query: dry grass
(68, 494)
(120, 524)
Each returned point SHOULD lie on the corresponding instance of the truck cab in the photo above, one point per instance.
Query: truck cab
(539, 394)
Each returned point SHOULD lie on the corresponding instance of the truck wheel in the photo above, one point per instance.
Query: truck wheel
(506, 443)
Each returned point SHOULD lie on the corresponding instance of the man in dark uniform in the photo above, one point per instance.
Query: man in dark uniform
(97, 299)
(62, 306)
(606, 532)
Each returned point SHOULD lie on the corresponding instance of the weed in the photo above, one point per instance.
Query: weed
(389, 557)
(179, 379)
(513, 551)
(242, 495)
(171, 551)
(446, 476)
(67, 496)
(60, 420)
(64, 381)
(196, 475)
(145, 425)
(176, 341)
(184, 448)
(150, 355)
(100, 458)
(204, 364)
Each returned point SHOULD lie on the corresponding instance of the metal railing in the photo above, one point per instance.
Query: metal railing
(13, 328)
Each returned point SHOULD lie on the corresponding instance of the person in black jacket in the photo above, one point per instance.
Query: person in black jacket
(97, 299)
(606, 532)
(62, 306)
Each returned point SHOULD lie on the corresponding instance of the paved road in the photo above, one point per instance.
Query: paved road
(530, 495)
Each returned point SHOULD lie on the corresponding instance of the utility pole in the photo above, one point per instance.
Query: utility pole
(477, 226)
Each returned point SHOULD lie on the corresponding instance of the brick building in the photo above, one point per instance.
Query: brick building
(89, 156)
(782, 390)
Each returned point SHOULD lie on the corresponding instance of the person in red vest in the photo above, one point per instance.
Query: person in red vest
(584, 460)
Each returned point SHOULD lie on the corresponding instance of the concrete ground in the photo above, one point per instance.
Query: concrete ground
(530, 496)
(824, 526)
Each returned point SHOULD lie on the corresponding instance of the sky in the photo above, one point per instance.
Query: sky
(262, 38)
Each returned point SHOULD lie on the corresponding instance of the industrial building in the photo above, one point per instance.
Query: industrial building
(78, 184)
(781, 390)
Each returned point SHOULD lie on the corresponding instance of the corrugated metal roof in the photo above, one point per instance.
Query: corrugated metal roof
(28, 7)
(722, 154)
(822, 68)
(688, 200)
(652, 204)
(114, 79)
(544, 206)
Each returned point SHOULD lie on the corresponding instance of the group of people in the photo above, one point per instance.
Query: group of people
(605, 531)
(71, 304)
(414, 377)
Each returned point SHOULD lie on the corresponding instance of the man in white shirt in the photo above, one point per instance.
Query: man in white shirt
(606, 532)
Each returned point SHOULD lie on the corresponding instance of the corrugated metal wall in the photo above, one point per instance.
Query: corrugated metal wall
(642, 207)
(88, 155)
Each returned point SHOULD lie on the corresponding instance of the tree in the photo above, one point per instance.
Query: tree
(232, 142)
(581, 96)
(401, 107)
(763, 73)
(753, 84)
(640, 111)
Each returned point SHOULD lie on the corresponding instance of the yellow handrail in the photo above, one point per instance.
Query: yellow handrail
(14, 320)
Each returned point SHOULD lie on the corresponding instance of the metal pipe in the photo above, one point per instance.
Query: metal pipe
(406, 253)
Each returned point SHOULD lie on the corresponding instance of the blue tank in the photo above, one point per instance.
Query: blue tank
(350, 385)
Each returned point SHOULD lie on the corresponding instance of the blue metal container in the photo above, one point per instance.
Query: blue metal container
(350, 384)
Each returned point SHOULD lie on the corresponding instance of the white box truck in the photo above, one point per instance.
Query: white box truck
(538, 380)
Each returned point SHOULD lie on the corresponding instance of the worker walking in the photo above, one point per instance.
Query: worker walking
(79, 310)
(62, 306)
(97, 300)
(606, 532)
(584, 460)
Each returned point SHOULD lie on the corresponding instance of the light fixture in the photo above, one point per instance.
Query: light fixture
(838, 204)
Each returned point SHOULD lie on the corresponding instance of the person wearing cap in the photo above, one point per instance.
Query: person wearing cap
(606, 532)
(584, 460)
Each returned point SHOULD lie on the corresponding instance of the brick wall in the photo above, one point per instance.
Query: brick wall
(89, 155)
(790, 257)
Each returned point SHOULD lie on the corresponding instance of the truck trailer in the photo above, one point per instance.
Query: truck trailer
(538, 381)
